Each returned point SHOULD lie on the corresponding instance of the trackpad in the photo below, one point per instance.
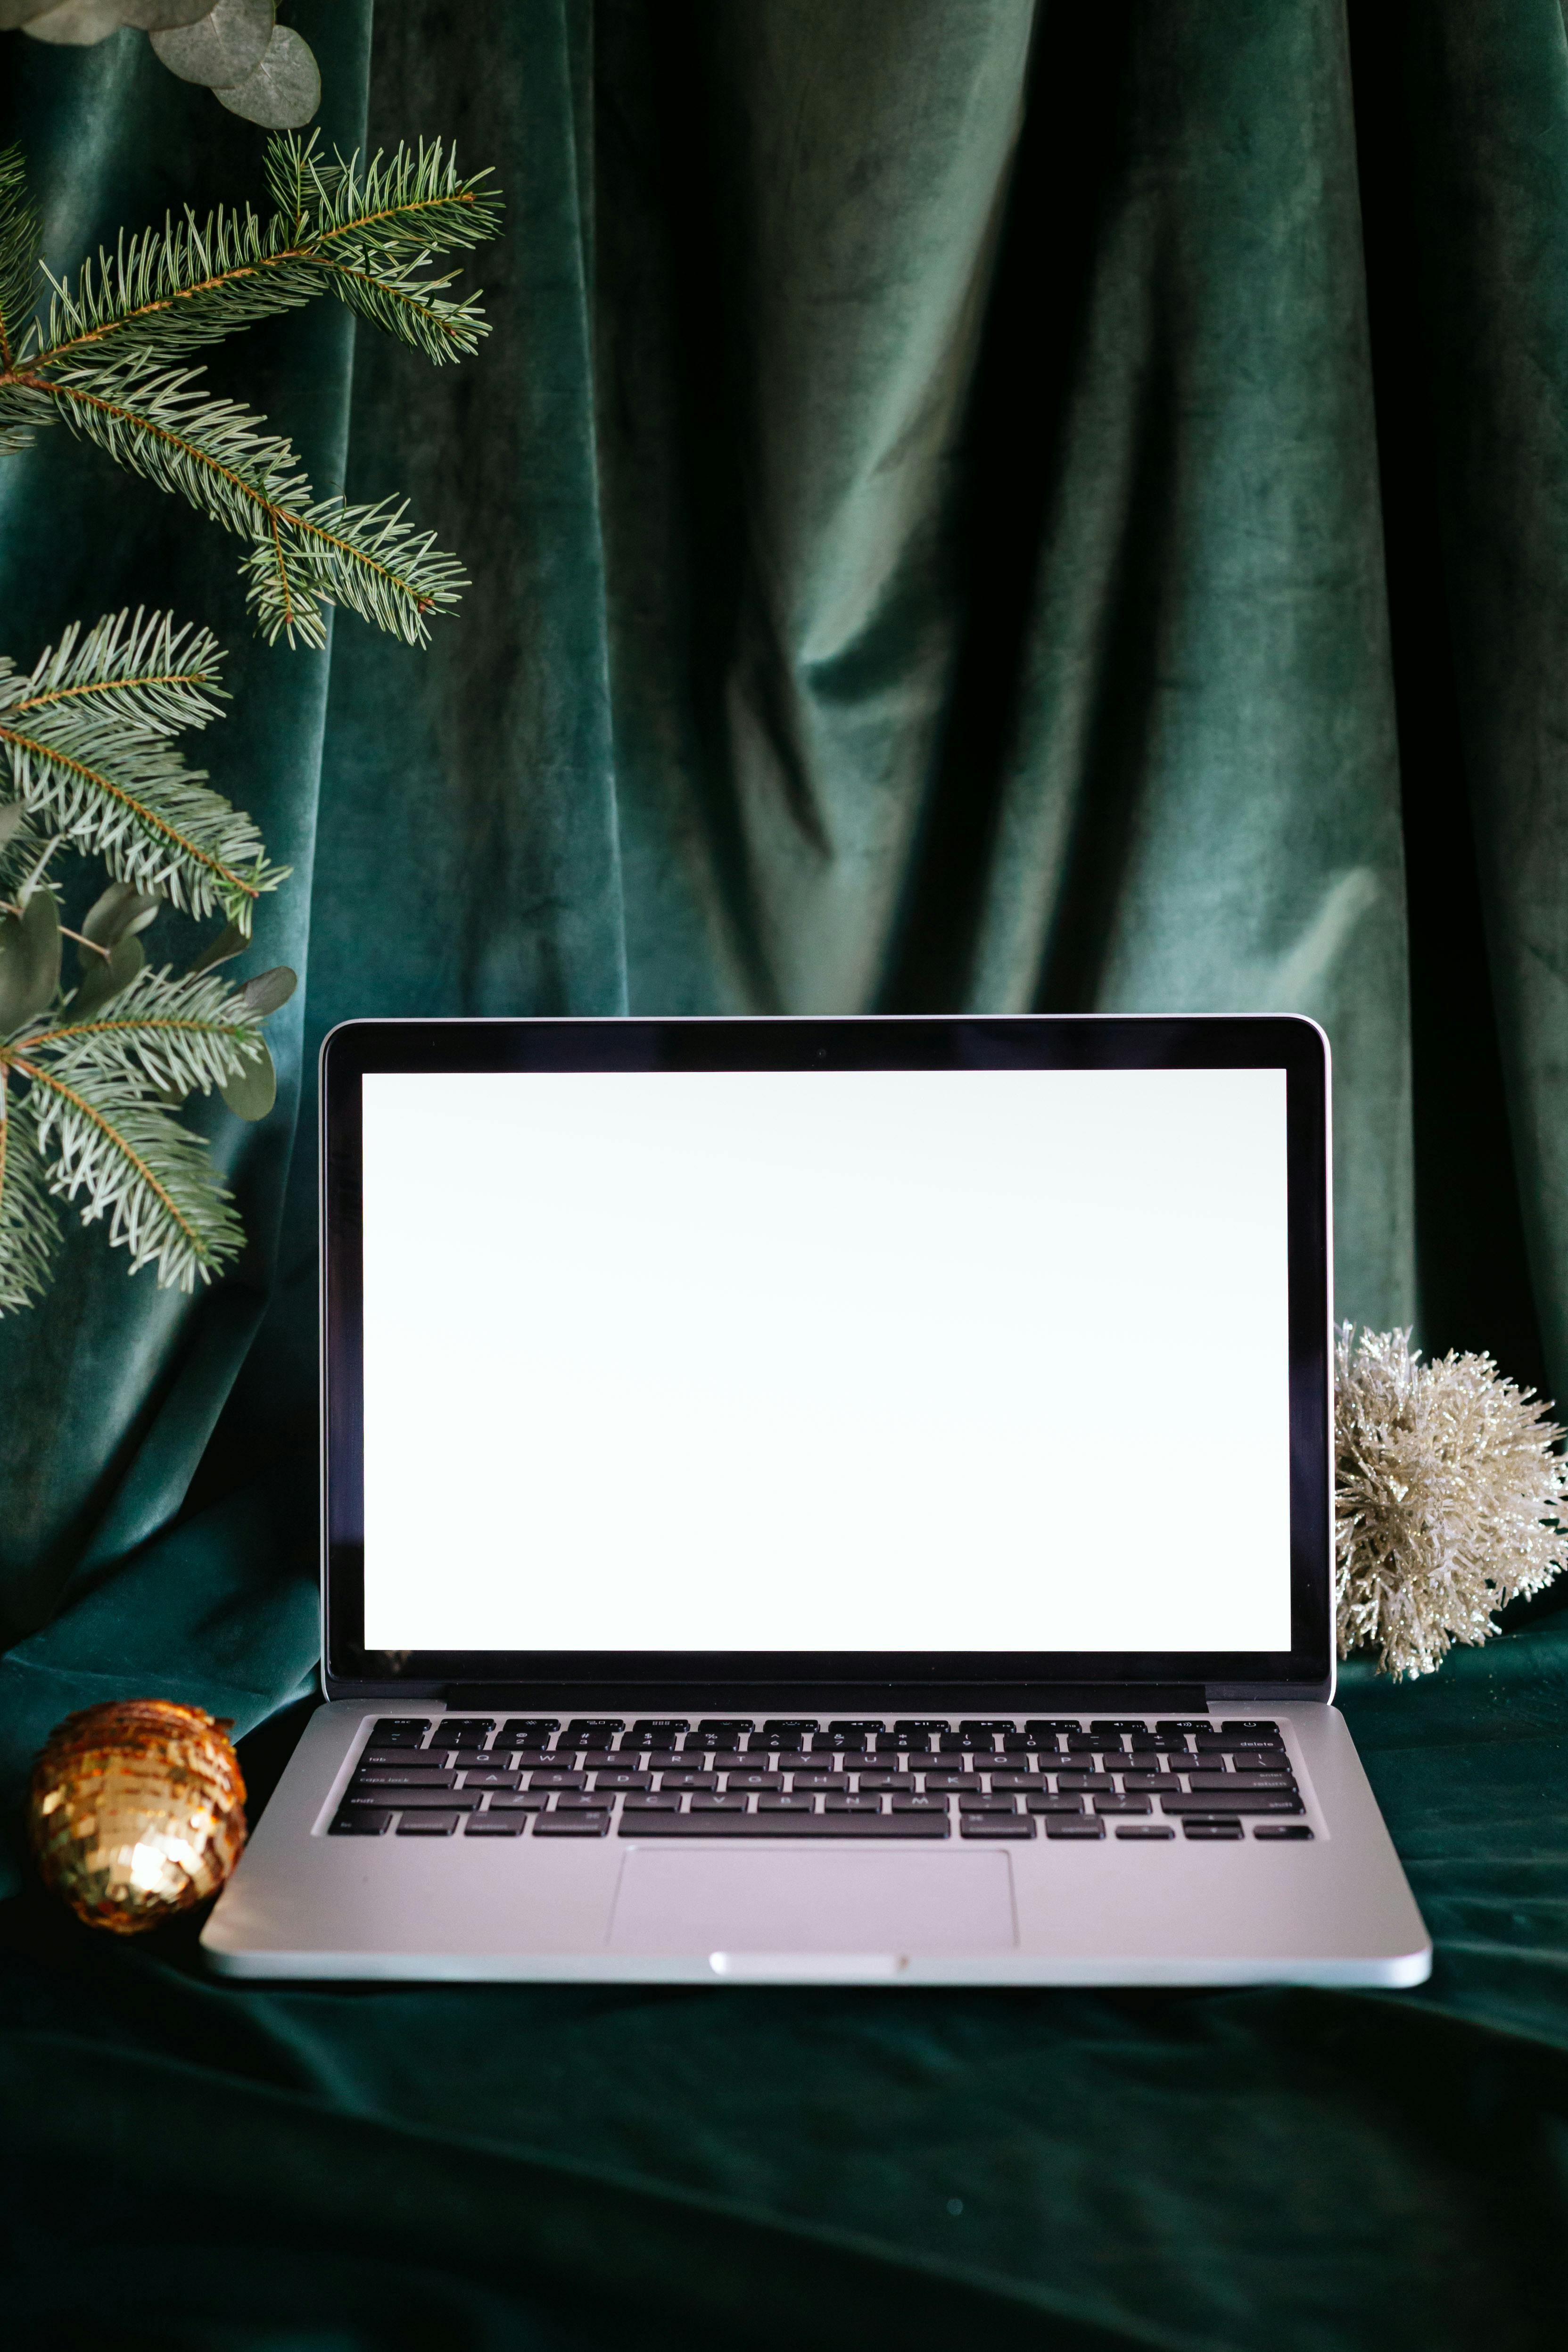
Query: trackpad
(895, 1904)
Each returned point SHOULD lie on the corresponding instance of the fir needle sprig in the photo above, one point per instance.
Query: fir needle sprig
(105, 359)
(94, 1067)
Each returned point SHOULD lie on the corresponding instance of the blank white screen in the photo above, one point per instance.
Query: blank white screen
(812, 1361)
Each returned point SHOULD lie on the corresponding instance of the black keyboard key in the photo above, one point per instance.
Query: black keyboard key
(995, 1825)
(894, 1744)
(920, 1805)
(417, 1800)
(532, 1801)
(818, 1781)
(1231, 1783)
(752, 1779)
(733, 1727)
(1086, 1826)
(399, 1730)
(557, 1776)
(659, 1730)
(427, 1825)
(842, 1802)
(592, 1731)
(1062, 1726)
(976, 1804)
(760, 1824)
(1115, 1726)
(1183, 1723)
(1282, 1800)
(485, 1776)
(869, 1724)
(640, 1802)
(1281, 1829)
(1031, 1743)
(368, 1820)
(1145, 1830)
(708, 1804)
(1262, 1725)
(839, 1743)
(935, 1725)
(682, 1778)
(409, 1776)
(886, 1780)
(801, 1725)
(1081, 1743)
(947, 1783)
(618, 1776)
(1015, 1781)
(1147, 1781)
(580, 1800)
(770, 1803)
(528, 1731)
(495, 1825)
(1123, 1805)
(1100, 1783)
(969, 1740)
(555, 1825)
(464, 1730)
(1036, 1802)
(714, 1743)
(1223, 1832)
(777, 1743)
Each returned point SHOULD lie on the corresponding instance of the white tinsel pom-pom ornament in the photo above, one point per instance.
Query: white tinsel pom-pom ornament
(1447, 1489)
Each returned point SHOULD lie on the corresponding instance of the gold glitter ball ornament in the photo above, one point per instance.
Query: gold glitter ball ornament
(136, 1811)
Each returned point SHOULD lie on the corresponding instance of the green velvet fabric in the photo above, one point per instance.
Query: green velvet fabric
(990, 506)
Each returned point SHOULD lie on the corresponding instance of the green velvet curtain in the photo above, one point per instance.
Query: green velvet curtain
(971, 504)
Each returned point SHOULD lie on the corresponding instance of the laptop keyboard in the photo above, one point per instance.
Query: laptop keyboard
(802, 1777)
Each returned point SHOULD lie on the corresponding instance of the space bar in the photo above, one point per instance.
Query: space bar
(785, 1825)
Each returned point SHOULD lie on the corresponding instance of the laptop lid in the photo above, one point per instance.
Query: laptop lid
(865, 1356)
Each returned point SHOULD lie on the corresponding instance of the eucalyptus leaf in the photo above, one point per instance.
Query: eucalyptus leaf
(283, 91)
(81, 23)
(105, 977)
(121, 909)
(254, 1092)
(13, 816)
(223, 45)
(269, 990)
(230, 941)
(29, 962)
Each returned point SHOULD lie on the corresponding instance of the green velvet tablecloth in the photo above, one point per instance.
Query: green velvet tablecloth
(502, 2166)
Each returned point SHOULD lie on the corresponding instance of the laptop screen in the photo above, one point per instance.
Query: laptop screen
(775, 1360)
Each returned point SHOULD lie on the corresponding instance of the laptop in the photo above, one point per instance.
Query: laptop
(831, 1501)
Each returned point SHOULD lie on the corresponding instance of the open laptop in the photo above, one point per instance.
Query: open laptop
(834, 1500)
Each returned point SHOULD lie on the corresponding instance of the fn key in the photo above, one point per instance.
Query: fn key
(366, 1821)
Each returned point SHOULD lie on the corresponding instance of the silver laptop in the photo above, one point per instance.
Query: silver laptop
(827, 1500)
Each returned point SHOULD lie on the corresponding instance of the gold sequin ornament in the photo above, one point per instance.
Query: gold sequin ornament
(136, 1811)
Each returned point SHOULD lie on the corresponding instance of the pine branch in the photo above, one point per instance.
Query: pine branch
(399, 299)
(19, 242)
(413, 200)
(86, 736)
(172, 1036)
(305, 551)
(369, 237)
(365, 557)
(29, 1225)
(127, 1158)
(138, 669)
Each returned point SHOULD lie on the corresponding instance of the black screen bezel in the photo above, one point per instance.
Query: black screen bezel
(1044, 1040)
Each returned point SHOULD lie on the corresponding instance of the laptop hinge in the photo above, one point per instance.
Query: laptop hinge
(1072, 1698)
